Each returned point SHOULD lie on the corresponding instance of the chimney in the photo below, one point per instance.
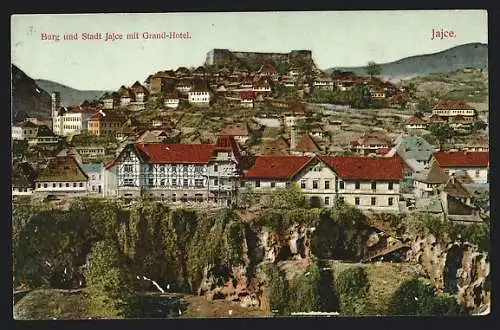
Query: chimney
(293, 142)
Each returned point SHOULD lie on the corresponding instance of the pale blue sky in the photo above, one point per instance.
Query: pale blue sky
(347, 38)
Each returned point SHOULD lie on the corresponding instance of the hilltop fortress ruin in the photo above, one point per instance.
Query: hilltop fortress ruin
(221, 57)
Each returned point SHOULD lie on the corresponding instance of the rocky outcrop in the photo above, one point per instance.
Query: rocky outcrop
(244, 284)
(455, 268)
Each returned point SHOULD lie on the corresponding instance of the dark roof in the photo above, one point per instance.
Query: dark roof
(63, 168)
(453, 105)
(307, 144)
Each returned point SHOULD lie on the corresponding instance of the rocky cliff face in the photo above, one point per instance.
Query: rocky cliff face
(245, 284)
(456, 268)
(28, 99)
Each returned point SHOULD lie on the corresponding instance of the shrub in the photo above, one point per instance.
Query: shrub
(278, 289)
(414, 297)
(352, 287)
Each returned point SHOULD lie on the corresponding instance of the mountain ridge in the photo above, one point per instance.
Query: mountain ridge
(471, 55)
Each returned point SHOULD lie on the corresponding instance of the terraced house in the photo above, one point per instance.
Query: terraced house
(369, 183)
(176, 172)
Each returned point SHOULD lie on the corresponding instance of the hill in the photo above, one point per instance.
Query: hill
(28, 98)
(69, 96)
(473, 55)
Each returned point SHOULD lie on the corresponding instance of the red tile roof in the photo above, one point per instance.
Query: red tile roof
(177, 153)
(365, 168)
(453, 105)
(246, 95)
(415, 121)
(462, 159)
(277, 167)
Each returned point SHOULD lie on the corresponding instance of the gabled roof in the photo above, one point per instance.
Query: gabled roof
(91, 167)
(414, 147)
(64, 168)
(44, 131)
(267, 68)
(415, 121)
(365, 168)
(307, 144)
(435, 175)
(453, 105)
(278, 147)
(177, 153)
(277, 167)
(462, 159)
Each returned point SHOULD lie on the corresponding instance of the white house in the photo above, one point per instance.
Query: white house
(24, 131)
(171, 100)
(176, 172)
(475, 164)
(371, 184)
(71, 121)
(200, 97)
(95, 175)
(62, 176)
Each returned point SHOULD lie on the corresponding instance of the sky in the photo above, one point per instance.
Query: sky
(336, 39)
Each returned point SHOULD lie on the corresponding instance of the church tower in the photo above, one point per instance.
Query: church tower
(56, 106)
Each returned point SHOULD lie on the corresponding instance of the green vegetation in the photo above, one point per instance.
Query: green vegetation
(373, 69)
(414, 297)
(352, 287)
(106, 281)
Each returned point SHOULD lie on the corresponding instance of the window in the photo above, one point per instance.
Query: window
(74, 184)
(327, 200)
(391, 185)
(273, 184)
(81, 184)
(356, 200)
(374, 185)
(216, 168)
(198, 183)
(242, 184)
(174, 182)
(185, 168)
(128, 167)
(374, 201)
(60, 185)
(477, 173)
(341, 185)
(327, 184)
(150, 182)
(53, 185)
(39, 185)
(257, 183)
(93, 188)
(391, 201)
(341, 199)
(303, 184)
(67, 184)
(357, 185)
(185, 182)
(216, 182)
(315, 184)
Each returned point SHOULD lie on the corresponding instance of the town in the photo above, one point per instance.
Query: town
(255, 184)
(104, 148)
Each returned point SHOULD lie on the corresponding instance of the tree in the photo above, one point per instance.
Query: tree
(107, 286)
(289, 198)
(373, 69)
(277, 289)
(359, 97)
(479, 125)
(414, 297)
(313, 291)
(419, 114)
(442, 131)
(352, 287)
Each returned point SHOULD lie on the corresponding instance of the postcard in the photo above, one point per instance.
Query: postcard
(250, 164)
